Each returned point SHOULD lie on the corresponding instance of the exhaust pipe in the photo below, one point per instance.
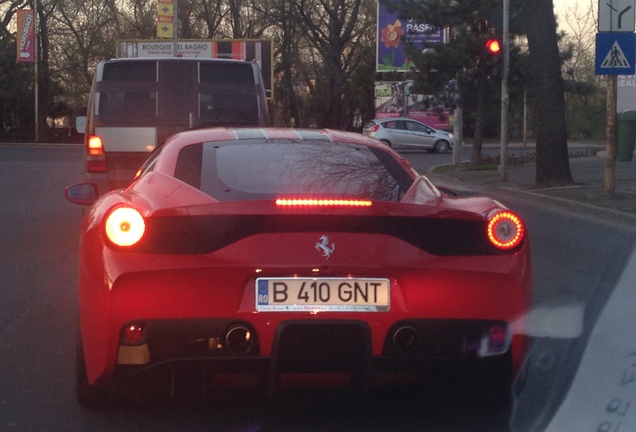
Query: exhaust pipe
(239, 339)
(405, 339)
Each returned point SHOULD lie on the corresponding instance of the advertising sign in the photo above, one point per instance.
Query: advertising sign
(390, 46)
(394, 99)
(165, 19)
(156, 48)
(625, 93)
(25, 36)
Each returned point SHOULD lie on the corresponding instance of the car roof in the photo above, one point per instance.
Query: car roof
(228, 135)
(237, 134)
(171, 59)
(384, 120)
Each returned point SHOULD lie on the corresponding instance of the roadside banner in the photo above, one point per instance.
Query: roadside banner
(26, 36)
(625, 93)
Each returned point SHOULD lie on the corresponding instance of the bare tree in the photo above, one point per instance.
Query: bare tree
(330, 27)
(584, 90)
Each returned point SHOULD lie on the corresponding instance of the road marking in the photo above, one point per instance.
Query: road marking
(602, 396)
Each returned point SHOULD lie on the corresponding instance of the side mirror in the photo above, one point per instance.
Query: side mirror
(81, 193)
(80, 124)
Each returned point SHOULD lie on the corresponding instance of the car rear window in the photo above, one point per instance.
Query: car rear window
(265, 170)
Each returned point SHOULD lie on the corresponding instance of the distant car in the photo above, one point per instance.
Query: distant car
(277, 252)
(406, 132)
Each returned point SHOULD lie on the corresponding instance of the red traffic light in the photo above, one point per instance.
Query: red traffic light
(493, 46)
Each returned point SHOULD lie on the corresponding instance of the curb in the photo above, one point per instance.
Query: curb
(575, 208)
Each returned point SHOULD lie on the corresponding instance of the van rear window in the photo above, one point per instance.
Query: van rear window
(131, 71)
(230, 73)
(174, 94)
(123, 107)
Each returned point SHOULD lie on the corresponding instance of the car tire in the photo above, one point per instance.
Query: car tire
(442, 146)
(387, 142)
(90, 396)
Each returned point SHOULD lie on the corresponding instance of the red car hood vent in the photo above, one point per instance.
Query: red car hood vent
(205, 234)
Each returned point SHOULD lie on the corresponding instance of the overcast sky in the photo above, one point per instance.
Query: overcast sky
(562, 6)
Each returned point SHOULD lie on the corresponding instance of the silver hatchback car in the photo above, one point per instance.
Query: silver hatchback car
(406, 132)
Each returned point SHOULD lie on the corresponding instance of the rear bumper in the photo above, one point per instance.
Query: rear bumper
(314, 347)
(187, 308)
(184, 320)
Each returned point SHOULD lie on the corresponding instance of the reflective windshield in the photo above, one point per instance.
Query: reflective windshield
(257, 170)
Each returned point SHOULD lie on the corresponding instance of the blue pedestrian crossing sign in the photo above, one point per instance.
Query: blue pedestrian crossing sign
(615, 53)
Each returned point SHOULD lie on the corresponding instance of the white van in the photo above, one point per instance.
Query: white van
(136, 103)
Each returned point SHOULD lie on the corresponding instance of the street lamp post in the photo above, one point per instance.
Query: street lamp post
(503, 175)
(175, 30)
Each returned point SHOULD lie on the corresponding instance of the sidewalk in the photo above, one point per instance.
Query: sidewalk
(587, 171)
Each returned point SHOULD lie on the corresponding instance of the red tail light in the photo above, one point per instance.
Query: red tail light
(125, 226)
(320, 202)
(375, 128)
(505, 230)
(94, 146)
(95, 159)
(497, 338)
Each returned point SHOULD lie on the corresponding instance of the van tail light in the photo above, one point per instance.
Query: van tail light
(95, 158)
(95, 146)
(505, 230)
(125, 226)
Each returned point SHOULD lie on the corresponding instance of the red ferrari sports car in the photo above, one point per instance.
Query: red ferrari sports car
(266, 252)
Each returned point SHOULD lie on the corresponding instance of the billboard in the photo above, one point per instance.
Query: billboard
(390, 46)
(395, 99)
(25, 36)
(256, 50)
(625, 93)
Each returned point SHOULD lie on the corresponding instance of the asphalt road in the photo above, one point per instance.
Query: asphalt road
(576, 259)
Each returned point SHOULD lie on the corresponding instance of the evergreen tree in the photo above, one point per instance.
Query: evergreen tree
(471, 23)
(464, 59)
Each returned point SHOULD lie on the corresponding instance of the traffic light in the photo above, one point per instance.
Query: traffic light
(493, 46)
(494, 51)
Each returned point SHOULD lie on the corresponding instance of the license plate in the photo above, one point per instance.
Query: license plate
(322, 294)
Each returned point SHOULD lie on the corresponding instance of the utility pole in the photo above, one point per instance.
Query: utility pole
(503, 157)
(610, 136)
(175, 30)
(458, 127)
(615, 55)
(35, 69)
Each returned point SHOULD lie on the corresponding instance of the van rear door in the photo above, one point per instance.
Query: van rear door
(178, 83)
